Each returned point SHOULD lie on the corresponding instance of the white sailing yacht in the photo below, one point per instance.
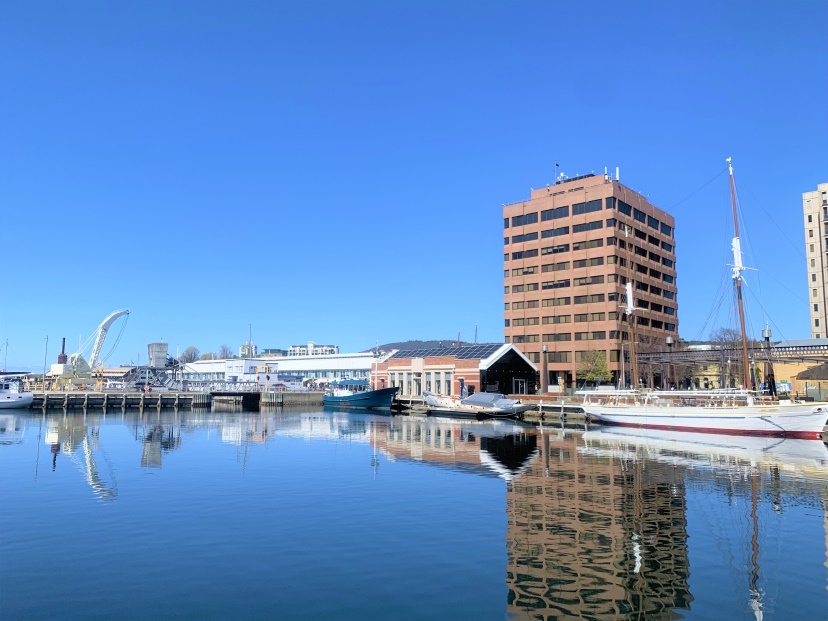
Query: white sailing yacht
(740, 411)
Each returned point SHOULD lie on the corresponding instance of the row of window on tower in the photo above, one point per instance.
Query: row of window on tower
(588, 207)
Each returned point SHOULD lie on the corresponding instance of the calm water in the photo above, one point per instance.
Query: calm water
(348, 516)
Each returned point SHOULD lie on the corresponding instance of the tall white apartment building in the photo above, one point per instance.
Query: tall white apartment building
(815, 210)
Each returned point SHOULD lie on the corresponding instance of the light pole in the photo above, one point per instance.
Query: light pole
(45, 355)
(770, 379)
(669, 341)
(623, 383)
(544, 387)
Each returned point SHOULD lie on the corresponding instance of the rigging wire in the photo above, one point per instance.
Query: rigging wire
(783, 286)
(770, 320)
(760, 273)
(724, 287)
(748, 247)
(781, 229)
(692, 194)
(715, 307)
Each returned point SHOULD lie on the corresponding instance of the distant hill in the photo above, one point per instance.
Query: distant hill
(409, 345)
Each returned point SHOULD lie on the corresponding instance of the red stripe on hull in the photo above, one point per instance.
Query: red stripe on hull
(801, 435)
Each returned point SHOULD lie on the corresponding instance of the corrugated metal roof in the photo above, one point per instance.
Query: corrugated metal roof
(469, 352)
(803, 343)
(819, 373)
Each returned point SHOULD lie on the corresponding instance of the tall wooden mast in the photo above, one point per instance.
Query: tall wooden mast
(629, 307)
(738, 268)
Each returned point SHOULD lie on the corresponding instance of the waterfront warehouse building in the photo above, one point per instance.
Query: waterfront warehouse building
(815, 209)
(314, 367)
(566, 261)
(460, 371)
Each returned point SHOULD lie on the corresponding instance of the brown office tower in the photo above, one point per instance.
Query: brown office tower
(569, 252)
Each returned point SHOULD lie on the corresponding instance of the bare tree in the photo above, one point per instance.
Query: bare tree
(208, 356)
(225, 351)
(681, 375)
(648, 345)
(728, 342)
(659, 374)
(189, 355)
(726, 337)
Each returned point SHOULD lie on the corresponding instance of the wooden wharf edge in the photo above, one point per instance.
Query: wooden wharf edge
(548, 411)
(105, 400)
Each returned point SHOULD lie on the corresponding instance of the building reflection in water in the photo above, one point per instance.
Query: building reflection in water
(157, 439)
(595, 539)
(11, 429)
(494, 447)
(598, 526)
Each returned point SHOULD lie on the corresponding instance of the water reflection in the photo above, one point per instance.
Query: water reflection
(78, 440)
(599, 524)
(594, 538)
(158, 439)
(491, 448)
(11, 431)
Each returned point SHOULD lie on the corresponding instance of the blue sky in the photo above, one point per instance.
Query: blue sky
(335, 171)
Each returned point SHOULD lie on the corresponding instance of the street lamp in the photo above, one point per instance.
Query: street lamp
(669, 341)
(544, 387)
(45, 355)
(770, 379)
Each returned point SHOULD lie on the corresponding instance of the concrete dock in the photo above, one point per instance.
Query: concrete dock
(549, 411)
(76, 399)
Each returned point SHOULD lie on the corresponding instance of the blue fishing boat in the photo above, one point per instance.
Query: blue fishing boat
(358, 394)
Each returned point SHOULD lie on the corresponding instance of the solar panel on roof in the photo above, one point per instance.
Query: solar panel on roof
(462, 353)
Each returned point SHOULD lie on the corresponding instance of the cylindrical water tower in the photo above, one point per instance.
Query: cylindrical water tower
(157, 355)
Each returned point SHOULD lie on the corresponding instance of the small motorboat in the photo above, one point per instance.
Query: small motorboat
(479, 405)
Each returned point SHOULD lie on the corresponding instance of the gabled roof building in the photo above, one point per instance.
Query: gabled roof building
(490, 367)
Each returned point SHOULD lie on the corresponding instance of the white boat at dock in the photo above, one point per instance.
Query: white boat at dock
(12, 395)
(708, 411)
(731, 411)
(480, 405)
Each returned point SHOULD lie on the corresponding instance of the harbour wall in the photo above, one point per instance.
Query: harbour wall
(86, 399)
(75, 399)
(547, 411)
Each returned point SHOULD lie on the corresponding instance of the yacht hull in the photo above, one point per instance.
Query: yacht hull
(9, 400)
(804, 420)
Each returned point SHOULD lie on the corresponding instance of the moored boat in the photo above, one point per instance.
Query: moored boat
(12, 396)
(709, 411)
(358, 394)
(731, 411)
(478, 405)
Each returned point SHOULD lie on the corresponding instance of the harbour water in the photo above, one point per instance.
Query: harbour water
(330, 515)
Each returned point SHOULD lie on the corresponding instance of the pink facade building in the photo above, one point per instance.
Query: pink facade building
(568, 253)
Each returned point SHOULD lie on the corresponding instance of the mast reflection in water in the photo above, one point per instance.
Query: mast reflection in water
(356, 516)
